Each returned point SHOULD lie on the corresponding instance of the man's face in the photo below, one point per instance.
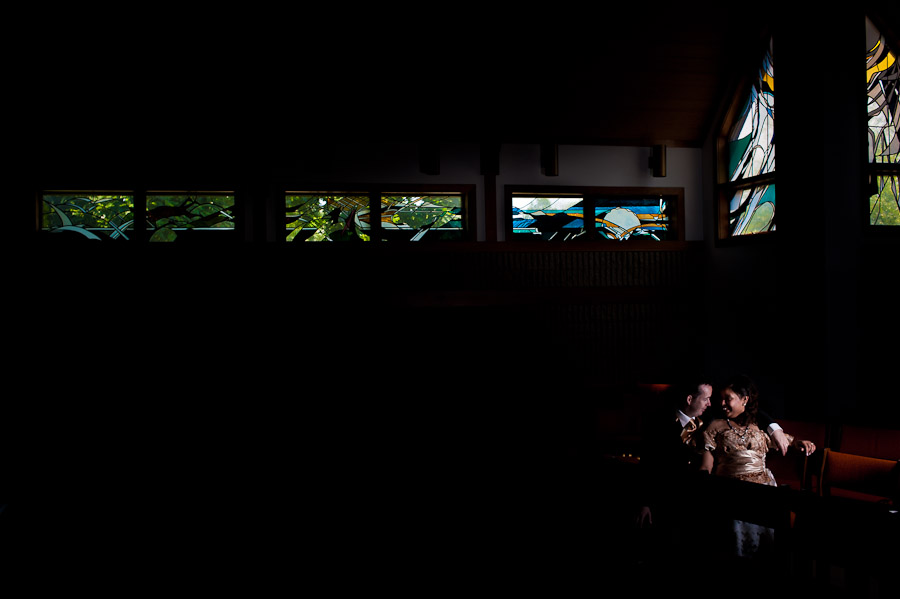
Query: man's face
(698, 402)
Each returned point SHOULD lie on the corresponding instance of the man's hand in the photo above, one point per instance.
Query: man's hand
(781, 441)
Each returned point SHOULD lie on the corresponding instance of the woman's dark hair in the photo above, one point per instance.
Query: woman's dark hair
(744, 386)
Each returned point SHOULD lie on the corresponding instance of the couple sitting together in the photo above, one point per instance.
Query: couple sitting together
(734, 445)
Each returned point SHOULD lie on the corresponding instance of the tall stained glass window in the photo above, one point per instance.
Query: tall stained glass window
(883, 89)
(748, 156)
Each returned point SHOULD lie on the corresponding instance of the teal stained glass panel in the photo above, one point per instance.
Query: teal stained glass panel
(548, 218)
(750, 152)
(314, 217)
(88, 216)
(753, 210)
(751, 142)
(616, 218)
(418, 218)
(623, 218)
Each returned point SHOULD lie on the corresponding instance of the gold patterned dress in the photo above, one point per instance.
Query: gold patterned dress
(740, 452)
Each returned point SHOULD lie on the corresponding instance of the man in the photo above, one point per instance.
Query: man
(667, 454)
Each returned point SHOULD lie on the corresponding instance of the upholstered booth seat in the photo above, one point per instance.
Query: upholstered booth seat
(859, 477)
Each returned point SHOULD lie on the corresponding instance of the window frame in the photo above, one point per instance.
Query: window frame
(590, 193)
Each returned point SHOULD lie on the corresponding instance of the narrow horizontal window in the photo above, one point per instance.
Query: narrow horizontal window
(633, 214)
(548, 218)
(89, 216)
(174, 216)
(371, 215)
(623, 218)
(316, 217)
(422, 217)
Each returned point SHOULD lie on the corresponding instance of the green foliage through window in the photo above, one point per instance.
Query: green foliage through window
(88, 216)
(350, 217)
(327, 217)
(884, 206)
(167, 215)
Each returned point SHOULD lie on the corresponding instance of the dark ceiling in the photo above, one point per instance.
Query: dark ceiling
(643, 76)
(634, 76)
(639, 75)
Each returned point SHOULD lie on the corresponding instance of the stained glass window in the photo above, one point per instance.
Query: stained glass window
(350, 217)
(749, 157)
(417, 217)
(622, 218)
(88, 216)
(172, 215)
(316, 217)
(618, 217)
(107, 216)
(884, 204)
(883, 89)
(548, 218)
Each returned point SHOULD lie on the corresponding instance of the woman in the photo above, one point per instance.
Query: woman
(735, 447)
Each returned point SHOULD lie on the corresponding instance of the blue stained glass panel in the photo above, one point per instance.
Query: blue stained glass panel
(622, 218)
(751, 142)
(548, 218)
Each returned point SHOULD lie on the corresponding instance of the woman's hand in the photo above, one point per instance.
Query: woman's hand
(707, 461)
(807, 447)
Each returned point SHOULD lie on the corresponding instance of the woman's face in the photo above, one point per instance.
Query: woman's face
(732, 403)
